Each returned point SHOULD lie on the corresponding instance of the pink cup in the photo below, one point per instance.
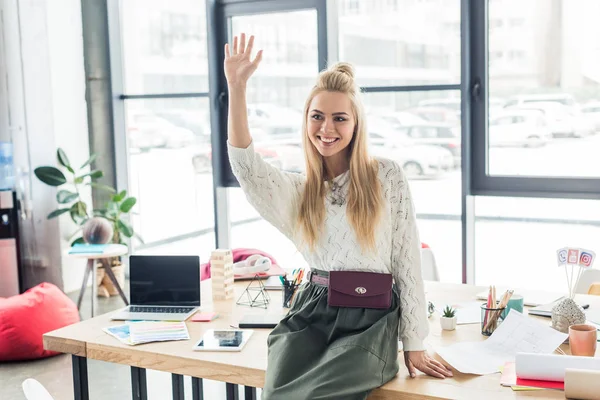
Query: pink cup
(582, 340)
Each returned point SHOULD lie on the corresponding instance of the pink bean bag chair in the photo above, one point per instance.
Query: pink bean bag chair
(26, 317)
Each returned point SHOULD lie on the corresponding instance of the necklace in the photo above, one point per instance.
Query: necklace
(337, 192)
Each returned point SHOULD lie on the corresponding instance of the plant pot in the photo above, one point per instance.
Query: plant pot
(448, 324)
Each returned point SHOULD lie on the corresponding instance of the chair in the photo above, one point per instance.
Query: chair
(429, 270)
(594, 289)
(34, 390)
(588, 277)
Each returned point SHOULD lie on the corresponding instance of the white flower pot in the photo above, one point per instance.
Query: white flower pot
(448, 324)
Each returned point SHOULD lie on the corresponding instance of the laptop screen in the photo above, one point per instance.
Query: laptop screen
(164, 280)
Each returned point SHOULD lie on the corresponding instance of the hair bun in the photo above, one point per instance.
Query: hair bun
(343, 67)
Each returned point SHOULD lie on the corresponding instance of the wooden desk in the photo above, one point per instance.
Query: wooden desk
(87, 340)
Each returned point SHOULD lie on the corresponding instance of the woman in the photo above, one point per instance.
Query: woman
(349, 212)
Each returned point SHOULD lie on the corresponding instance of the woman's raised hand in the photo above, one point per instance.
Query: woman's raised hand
(238, 66)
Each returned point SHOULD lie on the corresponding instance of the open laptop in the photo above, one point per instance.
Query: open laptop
(162, 288)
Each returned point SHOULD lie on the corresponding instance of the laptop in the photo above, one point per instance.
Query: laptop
(162, 288)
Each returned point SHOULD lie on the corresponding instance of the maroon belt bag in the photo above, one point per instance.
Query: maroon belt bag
(359, 289)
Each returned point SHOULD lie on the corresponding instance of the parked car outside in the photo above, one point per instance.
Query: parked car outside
(522, 128)
(446, 136)
(564, 122)
(147, 130)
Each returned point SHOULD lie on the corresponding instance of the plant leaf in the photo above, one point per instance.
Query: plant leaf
(79, 212)
(58, 212)
(89, 161)
(77, 241)
(95, 174)
(125, 229)
(78, 180)
(63, 159)
(119, 197)
(100, 186)
(50, 176)
(100, 213)
(66, 196)
(128, 204)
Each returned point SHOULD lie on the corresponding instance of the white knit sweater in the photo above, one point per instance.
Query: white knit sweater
(276, 194)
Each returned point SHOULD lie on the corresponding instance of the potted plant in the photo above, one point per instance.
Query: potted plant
(69, 200)
(448, 319)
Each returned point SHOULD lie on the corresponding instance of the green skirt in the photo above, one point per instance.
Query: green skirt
(320, 352)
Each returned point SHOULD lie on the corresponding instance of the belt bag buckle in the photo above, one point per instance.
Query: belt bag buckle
(360, 289)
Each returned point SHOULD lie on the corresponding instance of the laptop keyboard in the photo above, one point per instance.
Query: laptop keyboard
(167, 310)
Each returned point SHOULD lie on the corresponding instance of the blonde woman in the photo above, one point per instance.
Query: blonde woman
(349, 213)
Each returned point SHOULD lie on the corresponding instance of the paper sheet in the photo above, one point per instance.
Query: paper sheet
(517, 334)
(551, 367)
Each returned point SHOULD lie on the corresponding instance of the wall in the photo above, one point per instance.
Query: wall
(42, 67)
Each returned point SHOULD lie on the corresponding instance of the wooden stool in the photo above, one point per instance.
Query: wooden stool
(111, 250)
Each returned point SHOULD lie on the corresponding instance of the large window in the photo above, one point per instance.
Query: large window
(517, 238)
(516, 115)
(544, 87)
(167, 119)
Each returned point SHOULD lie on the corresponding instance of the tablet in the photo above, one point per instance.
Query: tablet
(223, 340)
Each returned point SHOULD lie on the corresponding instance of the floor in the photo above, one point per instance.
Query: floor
(106, 381)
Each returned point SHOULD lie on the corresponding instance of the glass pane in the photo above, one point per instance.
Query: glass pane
(164, 46)
(425, 139)
(170, 166)
(276, 95)
(401, 42)
(516, 239)
(544, 88)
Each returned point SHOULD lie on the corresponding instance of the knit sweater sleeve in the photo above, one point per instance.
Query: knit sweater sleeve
(272, 192)
(406, 264)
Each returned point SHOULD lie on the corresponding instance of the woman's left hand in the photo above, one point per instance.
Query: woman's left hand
(420, 360)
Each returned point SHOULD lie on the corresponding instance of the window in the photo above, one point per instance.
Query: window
(164, 46)
(402, 42)
(170, 169)
(516, 239)
(546, 72)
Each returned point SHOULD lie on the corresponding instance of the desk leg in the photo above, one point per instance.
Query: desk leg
(178, 393)
(139, 390)
(249, 393)
(197, 389)
(80, 378)
(113, 278)
(232, 391)
(92, 267)
(86, 277)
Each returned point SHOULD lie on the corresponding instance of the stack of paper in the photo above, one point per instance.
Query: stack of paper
(517, 333)
(146, 332)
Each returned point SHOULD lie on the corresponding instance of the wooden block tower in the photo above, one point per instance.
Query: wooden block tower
(221, 274)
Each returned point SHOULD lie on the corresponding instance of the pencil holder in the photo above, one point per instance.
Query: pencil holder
(288, 294)
(491, 318)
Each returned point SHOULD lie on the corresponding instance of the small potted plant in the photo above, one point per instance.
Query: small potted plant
(448, 319)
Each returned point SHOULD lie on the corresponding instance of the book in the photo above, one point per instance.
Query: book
(83, 248)
(148, 331)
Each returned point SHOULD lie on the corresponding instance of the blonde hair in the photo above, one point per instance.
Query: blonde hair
(364, 200)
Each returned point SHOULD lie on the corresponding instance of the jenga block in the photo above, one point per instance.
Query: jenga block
(220, 254)
(221, 280)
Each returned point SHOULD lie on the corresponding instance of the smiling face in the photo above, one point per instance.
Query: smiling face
(330, 124)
